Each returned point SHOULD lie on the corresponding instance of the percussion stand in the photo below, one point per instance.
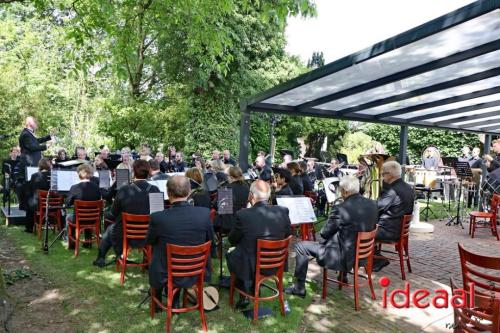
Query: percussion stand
(463, 170)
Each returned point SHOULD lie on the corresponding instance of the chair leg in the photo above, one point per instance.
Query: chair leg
(281, 298)
(170, 297)
(231, 291)
(152, 304)
(473, 227)
(200, 306)
(256, 302)
(325, 283)
(77, 240)
(124, 266)
(368, 272)
(470, 224)
(407, 256)
(401, 260)
(494, 230)
(356, 291)
(341, 275)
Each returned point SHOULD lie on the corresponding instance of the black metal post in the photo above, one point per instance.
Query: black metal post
(244, 136)
(403, 145)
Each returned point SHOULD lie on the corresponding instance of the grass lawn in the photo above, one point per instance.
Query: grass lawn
(96, 300)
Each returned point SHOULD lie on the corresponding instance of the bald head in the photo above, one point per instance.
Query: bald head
(30, 123)
(178, 188)
(260, 190)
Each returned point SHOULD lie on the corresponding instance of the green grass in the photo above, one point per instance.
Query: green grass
(95, 298)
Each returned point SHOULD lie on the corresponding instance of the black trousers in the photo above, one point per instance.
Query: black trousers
(112, 237)
(304, 250)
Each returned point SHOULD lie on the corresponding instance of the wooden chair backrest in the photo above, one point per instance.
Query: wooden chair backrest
(271, 254)
(475, 269)
(55, 200)
(135, 226)
(88, 211)
(405, 226)
(365, 243)
(187, 261)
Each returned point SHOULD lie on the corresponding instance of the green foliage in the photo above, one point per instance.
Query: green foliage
(355, 144)
(449, 143)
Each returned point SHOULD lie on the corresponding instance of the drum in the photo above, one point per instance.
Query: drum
(426, 177)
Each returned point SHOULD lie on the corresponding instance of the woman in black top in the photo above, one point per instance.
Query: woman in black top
(200, 197)
(295, 182)
(282, 178)
(39, 181)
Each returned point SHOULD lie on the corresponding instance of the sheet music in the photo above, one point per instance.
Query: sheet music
(330, 196)
(225, 201)
(64, 179)
(162, 186)
(156, 202)
(30, 171)
(122, 177)
(104, 178)
(300, 209)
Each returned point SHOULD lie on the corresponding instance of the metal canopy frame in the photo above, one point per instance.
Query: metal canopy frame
(444, 74)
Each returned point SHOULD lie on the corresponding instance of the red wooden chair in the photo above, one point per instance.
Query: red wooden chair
(365, 243)
(483, 317)
(56, 202)
(401, 246)
(476, 269)
(135, 227)
(488, 219)
(87, 217)
(271, 254)
(183, 261)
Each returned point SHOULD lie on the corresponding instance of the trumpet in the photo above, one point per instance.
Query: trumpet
(331, 169)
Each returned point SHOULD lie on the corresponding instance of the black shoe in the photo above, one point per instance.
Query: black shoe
(99, 262)
(377, 267)
(294, 290)
(344, 278)
(243, 302)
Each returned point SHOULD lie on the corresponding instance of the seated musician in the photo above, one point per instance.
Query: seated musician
(334, 170)
(132, 199)
(39, 181)
(85, 190)
(178, 165)
(466, 156)
(264, 171)
(62, 156)
(240, 191)
(103, 152)
(99, 163)
(395, 201)
(217, 167)
(493, 163)
(127, 161)
(296, 181)
(261, 221)
(476, 161)
(181, 224)
(282, 178)
(145, 153)
(307, 183)
(155, 172)
(337, 251)
(215, 155)
(311, 169)
(11, 169)
(161, 160)
(287, 158)
(81, 154)
(200, 197)
(227, 159)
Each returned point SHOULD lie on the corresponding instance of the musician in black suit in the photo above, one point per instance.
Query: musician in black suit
(85, 190)
(395, 201)
(38, 181)
(155, 172)
(264, 171)
(240, 192)
(181, 224)
(281, 179)
(178, 165)
(10, 172)
(476, 161)
(493, 163)
(337, 251)
(161, 160)
(132, 199)
(296, 181)
(227, 158)
(261, 221)
(307, 183)
(31, 146)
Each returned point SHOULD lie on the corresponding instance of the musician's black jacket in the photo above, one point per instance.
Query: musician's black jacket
(181, 224)
(395, 201)
(495, 164)
(159, 176)
(262, 221)
(31, 147)
(133, 199)
(307, 183)
(296, 185)
(338, 249)
(38, 181)
(229, 161)
(265, 173)
(178, 166)
(85, 191)
(164, 166)
(240, 191)
(201, 198)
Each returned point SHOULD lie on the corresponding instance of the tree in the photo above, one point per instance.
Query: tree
(317, 60)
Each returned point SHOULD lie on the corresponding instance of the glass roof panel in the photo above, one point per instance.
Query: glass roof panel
(461, 37)
(469, 113)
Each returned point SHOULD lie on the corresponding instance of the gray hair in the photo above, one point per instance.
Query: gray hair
(350, 184)
(258, 194)
(392, 167)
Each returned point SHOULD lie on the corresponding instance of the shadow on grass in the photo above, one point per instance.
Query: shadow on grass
(94, 297)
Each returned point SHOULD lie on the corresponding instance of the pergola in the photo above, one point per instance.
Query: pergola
(444, 74)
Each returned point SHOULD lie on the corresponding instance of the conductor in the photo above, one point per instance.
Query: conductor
(31, 146)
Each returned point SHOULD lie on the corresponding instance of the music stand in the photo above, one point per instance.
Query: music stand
(224, 207)
(53, 188)
(463, 170)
